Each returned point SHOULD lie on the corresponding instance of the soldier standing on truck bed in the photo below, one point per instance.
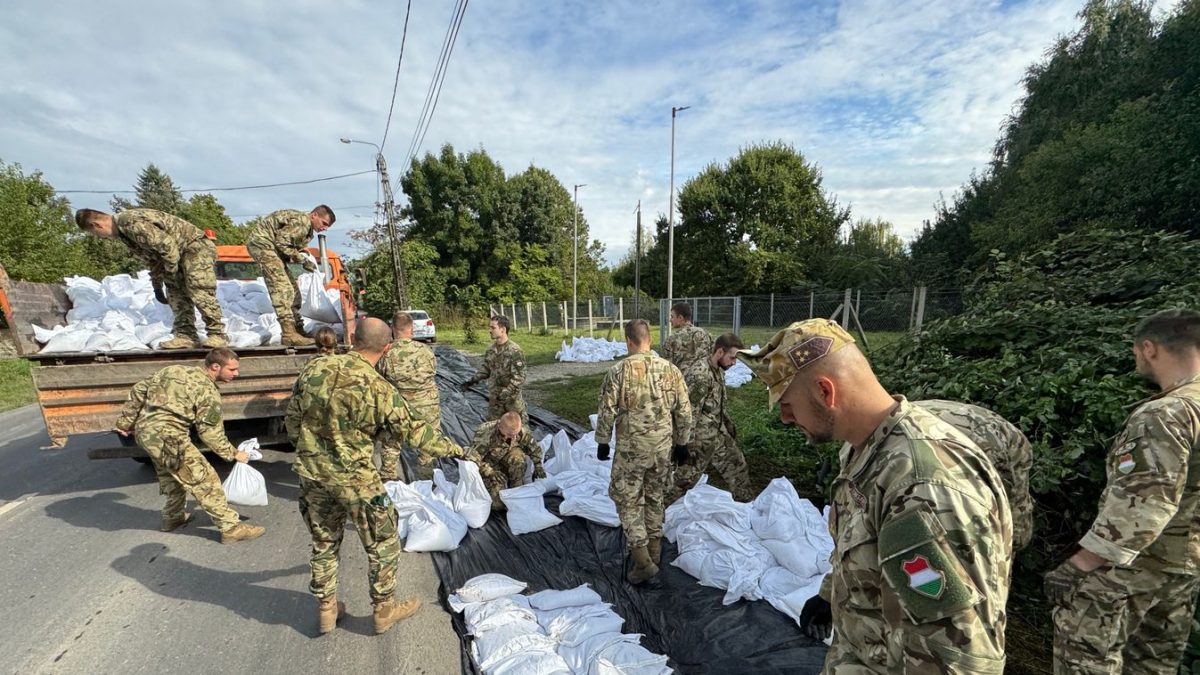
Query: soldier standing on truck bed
(160, 413)
(280, 238)
(181, 257)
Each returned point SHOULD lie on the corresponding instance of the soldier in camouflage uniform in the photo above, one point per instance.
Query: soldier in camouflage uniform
(919, 518)
(160, 413)
(181, 258)
(504, 369)
(1006, 446)
(687, 344)
(645, 398)
(279, 238)
(411, 367)
(339, 404)
(714, 436)
(501, 449)
(1123, 602)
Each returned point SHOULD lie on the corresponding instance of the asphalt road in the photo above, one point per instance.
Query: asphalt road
(89, 584)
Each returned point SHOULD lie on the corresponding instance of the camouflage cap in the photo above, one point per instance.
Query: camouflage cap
(795, 347)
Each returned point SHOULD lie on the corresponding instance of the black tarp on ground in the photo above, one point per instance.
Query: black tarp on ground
(677, 616)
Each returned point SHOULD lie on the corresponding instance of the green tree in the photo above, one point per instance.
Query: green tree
(425, 282)
(154, 190)
(206, 213)
(870, 256)
(39, 240)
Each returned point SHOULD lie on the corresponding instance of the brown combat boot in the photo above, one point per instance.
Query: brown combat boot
(172, 523)
(213, 341)
(289, 336)
(179, 342)
(328, 613)
(654, 547)
(242, 532)
(643, 567)
(388, 612)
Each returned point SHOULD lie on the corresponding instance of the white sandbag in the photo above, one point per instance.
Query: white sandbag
(426, 522)
(496, 646)
(245, 486)
(629, 658)
(591, 350)
(527, 509)
(792, 529)
(575, 597)
(580, 657)
(481, 617)
(66, 341)
(314, 302)
(572, 625)
(740, 373)
(471, 499)
(537, 661)
(586, 495)
(252, 449)
(485, 587)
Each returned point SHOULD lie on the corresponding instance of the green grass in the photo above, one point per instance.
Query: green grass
(573, 397)
(16, 384)
(539, 349)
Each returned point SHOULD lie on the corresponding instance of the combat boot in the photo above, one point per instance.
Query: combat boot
(242, 532)
(171, 523)
(214, 341)
(179, 342)
(299, 323)
(329, 611)
(654, 547)
(289, 336)
(388, 612)
(643, 567)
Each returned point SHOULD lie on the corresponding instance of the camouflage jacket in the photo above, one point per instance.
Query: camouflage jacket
(411, 367)
(707, 393)
(1006, 446)
(504, 369)
(489, 446)
(1150, 510)
(922, 552)
(156, 237)
(287, 231)
(177, 398)
(339, 403)
(687, 346)
(645, 398)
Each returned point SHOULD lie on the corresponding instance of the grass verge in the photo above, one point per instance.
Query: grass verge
(16, 384)
(539, 349)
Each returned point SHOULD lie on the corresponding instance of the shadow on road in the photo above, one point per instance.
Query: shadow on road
(104, 511)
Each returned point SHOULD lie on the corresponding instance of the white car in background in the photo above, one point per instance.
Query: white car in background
(423, 328)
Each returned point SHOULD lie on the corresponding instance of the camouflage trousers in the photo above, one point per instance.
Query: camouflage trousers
(716, 448)
(638, 488)
(499, 406)
(180, 469)
(194, 287)
(1124, 620)
(283, 289)
(390, 448)
(325, 510)
(502, 471)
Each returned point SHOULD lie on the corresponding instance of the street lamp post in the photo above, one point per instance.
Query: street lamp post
(575, 263)
(671, 215)
(389, 210)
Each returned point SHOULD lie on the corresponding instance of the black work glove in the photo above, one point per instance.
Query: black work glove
(1061, 582)
(160, 294)
(679, 454)
(816, 619)
(602, 451)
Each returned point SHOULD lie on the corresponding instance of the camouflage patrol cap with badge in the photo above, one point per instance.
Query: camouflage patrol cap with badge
(799, 345)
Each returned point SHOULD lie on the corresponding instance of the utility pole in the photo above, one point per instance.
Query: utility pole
(575, 263)
(671, 215)
(637, 266)
(389, 210)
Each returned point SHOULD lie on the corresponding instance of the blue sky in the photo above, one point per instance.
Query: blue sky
(896, 100)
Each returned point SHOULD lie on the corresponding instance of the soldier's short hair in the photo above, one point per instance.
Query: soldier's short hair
(371, 335)
(402, 321)
(326, 340)
(326, 212)
(683, 310)
(728, 341)
(220, 356)
(509, 421)
(85, 217)
(500, 320)
(637, 331)
(1172, 328)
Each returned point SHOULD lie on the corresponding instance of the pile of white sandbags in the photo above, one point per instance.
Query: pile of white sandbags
(581, 479)
(434, 515)
(120, 313)
(739, 373)
(591, 350)
(548, 633)
(775, 548)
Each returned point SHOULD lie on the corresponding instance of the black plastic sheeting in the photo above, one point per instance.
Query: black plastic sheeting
(676, 616)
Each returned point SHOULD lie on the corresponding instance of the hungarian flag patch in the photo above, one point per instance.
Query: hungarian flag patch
(1125, 463)
(924, 578)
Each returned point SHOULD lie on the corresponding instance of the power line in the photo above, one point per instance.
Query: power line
(335, 208)
(220, 189)
(396, 83)
(435, 84)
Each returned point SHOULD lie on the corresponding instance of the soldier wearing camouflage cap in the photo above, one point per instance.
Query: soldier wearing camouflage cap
(920, 522)
(160, 413)
(504, 369)
(339, 405)
(1006, 446)
(280, 238)
(503, 449)
(182, 260)
(1124, 601)
(645, 398)
(411, 367)
(687, 343)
